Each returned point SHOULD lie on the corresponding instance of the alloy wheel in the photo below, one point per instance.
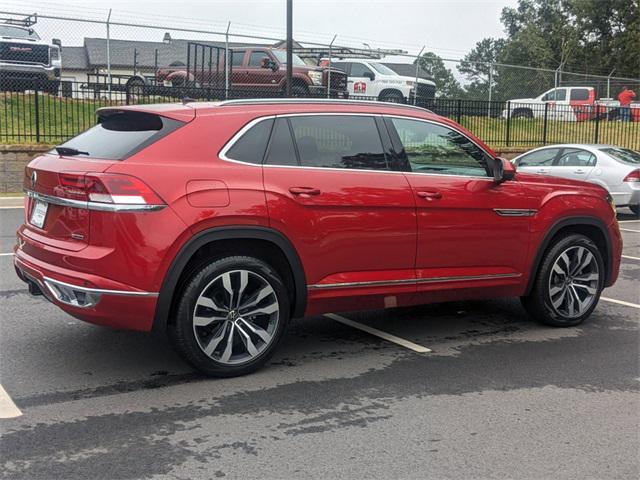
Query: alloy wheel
(574, 281)
(235, 317)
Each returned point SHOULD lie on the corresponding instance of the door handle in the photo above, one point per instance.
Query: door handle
(306, 191)
(578, 171)
(429, 195)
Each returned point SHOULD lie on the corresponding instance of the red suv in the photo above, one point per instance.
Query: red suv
(218, 222)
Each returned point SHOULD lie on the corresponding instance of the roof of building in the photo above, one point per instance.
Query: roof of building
(74, 58)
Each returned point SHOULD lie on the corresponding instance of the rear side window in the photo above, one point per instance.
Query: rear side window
(339, 141)
(281, 149)
(119, 135)
(573, 157)
(251, 146)
(623, 155)
(539, 158)
(237, 56)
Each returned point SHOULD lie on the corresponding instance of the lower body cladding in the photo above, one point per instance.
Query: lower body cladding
(117, 308)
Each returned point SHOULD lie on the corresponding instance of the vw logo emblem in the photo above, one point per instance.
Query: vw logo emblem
(34, 179)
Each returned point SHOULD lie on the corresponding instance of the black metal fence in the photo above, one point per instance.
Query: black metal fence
(36, 114)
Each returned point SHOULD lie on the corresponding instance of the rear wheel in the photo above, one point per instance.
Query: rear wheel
(230, 316)
(522, 113)
(568, 284)
(392, 96)
(635, 209)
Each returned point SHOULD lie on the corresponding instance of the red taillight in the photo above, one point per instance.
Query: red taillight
(106, 188)
(633, 176)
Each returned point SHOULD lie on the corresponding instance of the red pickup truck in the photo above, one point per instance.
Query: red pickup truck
(260, 69)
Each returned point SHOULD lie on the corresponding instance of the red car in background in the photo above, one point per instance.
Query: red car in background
(219, 222)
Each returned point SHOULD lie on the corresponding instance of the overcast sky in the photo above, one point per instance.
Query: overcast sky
(448, 27)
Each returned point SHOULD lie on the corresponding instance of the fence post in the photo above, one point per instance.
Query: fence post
(544, 125)
(508, 123)
(596, 132)
(37, 109)
(459, 111)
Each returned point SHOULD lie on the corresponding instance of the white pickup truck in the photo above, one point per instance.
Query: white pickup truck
(370, 78)
(571, 104)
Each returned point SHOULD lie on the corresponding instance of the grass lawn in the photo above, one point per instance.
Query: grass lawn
(62, 118)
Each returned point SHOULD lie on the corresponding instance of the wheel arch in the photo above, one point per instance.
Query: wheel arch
(389, 90)
(591, 227)
(224, 236)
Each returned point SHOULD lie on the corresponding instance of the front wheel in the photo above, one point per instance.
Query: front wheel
(568, 283)
(230, 316)
(635, 209)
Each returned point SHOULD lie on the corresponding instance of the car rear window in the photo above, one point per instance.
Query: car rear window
(623, 155)
(121, 134)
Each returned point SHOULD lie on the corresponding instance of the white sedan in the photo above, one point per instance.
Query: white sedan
(616, 169)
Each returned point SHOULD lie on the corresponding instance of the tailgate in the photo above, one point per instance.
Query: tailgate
(50, 223)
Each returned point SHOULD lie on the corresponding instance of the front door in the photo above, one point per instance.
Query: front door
(360, 81)
(330, 189)
(472, 232)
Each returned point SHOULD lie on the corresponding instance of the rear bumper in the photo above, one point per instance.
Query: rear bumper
(629, 194)
(89, 298)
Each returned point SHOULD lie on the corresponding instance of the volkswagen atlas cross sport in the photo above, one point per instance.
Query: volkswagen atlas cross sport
(219, 222)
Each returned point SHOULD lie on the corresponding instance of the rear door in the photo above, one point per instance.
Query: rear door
(330, 188)
(574, 163)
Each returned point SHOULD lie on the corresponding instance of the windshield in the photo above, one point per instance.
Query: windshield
(281, 55)
(383, 69)
(622, 155)
(15, 32)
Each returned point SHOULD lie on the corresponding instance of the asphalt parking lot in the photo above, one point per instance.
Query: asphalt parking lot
(498, 396)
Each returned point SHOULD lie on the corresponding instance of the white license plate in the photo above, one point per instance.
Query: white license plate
(39, 213)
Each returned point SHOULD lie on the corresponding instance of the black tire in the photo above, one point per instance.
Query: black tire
(392, 97)
(539, 305)
(52, 87)
(299, 90)
(524, 113)
(635, 209)
(182, 331)
(135, 87)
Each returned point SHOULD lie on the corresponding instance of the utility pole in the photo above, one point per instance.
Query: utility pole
(329, 72)
(415, 85)
(109, 54)
(289, 46)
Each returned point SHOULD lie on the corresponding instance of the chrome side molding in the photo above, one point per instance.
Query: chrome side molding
(410, 281)
(515, 212)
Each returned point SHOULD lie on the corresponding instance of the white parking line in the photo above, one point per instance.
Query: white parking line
(8, 409)
(12, 208)
(378, 333)
(629, 257)
(628, 221)
(629, 230)
(620, 302)
(6, 254)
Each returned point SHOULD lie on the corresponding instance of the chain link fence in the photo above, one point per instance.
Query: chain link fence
(50, 89)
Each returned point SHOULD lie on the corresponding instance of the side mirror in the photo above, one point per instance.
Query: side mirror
(369, 75)
(56, 41)
(503, 170)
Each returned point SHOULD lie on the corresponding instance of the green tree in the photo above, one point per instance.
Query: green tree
(476, 66)
(446, 84)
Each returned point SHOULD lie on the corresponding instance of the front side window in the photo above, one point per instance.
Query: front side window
(338, 141)
(433, 148)
(539, 158)
(580, 94)
(251, 146)
(555, 95)
(359, 70)
(255, 59)
(573, 157)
